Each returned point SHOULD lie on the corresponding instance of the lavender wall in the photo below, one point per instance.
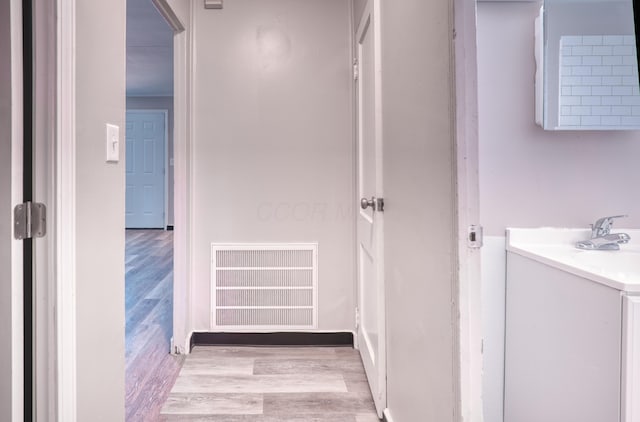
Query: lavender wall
(530, 177)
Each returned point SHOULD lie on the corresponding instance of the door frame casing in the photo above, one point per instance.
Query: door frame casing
(44, 134)
(466, 139)
(17, 270)
(65, 212)
(165, 141)
(183, 53)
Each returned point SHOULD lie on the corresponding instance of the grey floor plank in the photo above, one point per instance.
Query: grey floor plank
(367, 418)
(219, 366)
(306, 366)
(325, 383)
(214, 404)
(259, 418)
(265, 352)
(316, 403)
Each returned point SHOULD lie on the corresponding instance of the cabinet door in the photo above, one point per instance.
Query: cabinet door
(631, 360)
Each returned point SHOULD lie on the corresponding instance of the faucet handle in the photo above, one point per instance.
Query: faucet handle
(602, 226)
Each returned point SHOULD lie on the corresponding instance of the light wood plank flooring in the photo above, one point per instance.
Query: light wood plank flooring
(271, 384)
(150, 369)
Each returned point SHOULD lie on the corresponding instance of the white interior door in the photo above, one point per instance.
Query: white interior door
(371, 329)
(145, 158)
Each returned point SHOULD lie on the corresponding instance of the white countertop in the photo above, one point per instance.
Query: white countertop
(556, 247)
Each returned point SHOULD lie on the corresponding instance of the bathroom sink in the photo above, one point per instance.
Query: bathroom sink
(556, 247)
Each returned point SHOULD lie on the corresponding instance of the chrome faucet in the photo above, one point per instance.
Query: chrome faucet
(602, 238)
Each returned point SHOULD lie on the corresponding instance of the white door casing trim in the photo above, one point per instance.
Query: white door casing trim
(183, 129)
(387, 415)
(65, 207)
(631, 359)
(169, 15)
(165, 113)
(17, 273)
(469, 296)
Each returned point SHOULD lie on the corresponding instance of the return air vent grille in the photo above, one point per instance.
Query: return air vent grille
(264, 286)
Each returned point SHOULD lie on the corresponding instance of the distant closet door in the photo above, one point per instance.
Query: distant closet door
(145, 159)
(371, 294)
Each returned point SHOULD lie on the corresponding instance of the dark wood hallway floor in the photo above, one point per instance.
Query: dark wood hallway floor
(150, 369)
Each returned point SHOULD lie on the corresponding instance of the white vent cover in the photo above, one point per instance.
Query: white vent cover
(264, 286)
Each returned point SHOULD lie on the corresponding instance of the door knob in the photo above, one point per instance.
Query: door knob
(365, 203)
(377, 204)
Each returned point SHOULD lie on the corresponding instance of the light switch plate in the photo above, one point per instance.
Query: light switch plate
(113, 143)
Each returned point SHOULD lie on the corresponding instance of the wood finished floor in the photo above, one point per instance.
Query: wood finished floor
(150, 369)
(271, 384)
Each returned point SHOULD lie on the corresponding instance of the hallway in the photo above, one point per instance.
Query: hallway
(150, 369)
(271, 384)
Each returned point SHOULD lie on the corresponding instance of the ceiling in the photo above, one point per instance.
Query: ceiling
(149, 51)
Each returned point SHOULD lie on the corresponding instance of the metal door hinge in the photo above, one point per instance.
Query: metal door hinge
(30, 220)
(356, 70)
(357, 318)
(475, 236)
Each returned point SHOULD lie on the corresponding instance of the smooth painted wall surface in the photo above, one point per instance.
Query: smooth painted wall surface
(100, 99)
(273, 145)
(530, 177)
(420, 209)
(6, 234)
(160, 103)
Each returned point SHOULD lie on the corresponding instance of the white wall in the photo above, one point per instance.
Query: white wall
(420, 210)
(530, 177)
(159, 103)
(273, 144)
(100, 79)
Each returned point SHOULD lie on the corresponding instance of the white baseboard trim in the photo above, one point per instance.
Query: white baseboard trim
(387, 415)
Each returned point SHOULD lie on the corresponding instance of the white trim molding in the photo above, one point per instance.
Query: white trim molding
(169, 15)
(468, 294)
(387, 415)
(65, 223)
(631, 360)
(17, 272)
(182, 152)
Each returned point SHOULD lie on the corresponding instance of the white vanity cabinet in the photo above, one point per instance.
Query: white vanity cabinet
(572, 339)
(572, 347)
(631, 359)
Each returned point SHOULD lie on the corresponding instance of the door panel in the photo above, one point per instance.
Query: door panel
(145, 164)
(371, 335)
